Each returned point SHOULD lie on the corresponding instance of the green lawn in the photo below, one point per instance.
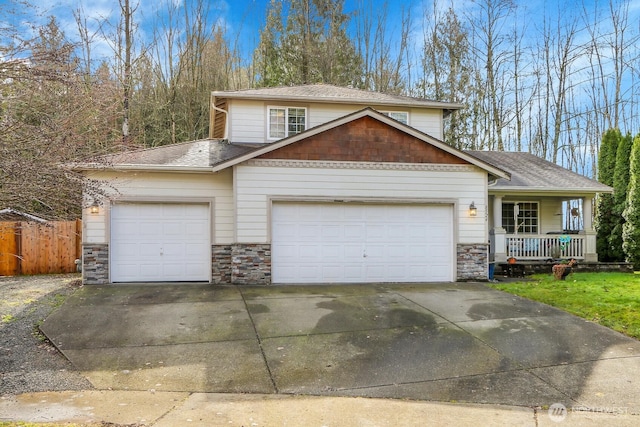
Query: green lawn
(610, 299)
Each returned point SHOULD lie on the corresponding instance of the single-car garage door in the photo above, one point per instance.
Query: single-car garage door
(158, 242)
(358, 243)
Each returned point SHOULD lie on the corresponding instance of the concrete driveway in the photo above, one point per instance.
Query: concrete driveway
(459, 342)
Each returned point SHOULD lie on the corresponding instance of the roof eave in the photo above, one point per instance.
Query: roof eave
(549, 190)
(447, 107)
(142, 168)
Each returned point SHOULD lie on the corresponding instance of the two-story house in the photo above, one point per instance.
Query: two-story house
(324, 184)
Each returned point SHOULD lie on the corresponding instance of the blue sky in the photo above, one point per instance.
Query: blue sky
(243, 17)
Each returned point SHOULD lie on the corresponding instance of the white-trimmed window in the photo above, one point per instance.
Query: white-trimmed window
(401, 116)
(520, 217)
(286, 121)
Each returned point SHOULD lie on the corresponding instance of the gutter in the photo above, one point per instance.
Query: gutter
(547, 190)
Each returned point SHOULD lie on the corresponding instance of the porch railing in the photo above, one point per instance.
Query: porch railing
(546, 246)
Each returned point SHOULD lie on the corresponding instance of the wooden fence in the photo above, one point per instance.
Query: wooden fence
(33, 248)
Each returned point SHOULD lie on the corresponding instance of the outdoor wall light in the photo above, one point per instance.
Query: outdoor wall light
(95, 208)
(473, 211)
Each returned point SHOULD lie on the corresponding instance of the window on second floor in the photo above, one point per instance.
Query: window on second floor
(521, 217)
(401, 116)
(286, 121)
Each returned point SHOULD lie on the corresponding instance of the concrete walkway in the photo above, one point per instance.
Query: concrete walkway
(316, 351)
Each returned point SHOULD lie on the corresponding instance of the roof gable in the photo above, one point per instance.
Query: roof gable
(408, 130)
(364, 139)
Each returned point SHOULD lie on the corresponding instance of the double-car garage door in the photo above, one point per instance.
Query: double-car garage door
(359, 243)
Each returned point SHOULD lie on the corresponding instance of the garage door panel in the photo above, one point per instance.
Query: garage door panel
(331, 232)
(173, 229)
(160, 242)
(308, 253)
(195, 250)
(199, 228)
(350, 252)
(363, 242)
(396, 252)
(354, 231)
(127, 249)
(173, 249)
(147, 249)
(130, 229)
(194, 269)
(328, 273)
(331, 253)
(285, 231)
(308, 231)
(353, 272)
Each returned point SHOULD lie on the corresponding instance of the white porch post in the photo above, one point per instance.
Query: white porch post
(587, 213)
(590, 254)
(499, 234)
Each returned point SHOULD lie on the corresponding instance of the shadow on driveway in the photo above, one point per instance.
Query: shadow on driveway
(448, 342)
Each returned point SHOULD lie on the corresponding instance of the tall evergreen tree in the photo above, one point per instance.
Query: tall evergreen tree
(306, 42)
(620, 184)
(446, 67)
(604, 207)
(631, 228)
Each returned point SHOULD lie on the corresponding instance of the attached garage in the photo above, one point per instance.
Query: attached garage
(160, 242)
(360, 242)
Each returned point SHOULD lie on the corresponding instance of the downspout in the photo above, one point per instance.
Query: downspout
(212, 105)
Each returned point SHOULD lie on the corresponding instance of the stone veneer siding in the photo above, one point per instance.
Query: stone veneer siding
(241, 264)
(95, 264)
(473, 262)
(221, 264)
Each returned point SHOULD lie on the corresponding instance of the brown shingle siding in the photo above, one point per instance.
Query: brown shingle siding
(364, 140)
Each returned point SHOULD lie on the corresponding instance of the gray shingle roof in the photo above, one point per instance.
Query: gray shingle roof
(335, 94)
(193, 154)
(531, 173)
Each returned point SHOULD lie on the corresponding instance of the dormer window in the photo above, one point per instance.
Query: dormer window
(401, 116)
(286, 121)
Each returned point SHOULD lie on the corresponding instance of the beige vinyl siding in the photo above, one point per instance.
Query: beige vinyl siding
(324, 113)
(248, 120)
(427, 121)
(257, 185)
(94, 226)
(550, 221)
(170, 187)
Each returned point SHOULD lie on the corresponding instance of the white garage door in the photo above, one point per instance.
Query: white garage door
(358, 243)
(153, 242)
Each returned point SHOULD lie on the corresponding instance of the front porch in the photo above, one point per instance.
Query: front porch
(542, 213)
(523, 228)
